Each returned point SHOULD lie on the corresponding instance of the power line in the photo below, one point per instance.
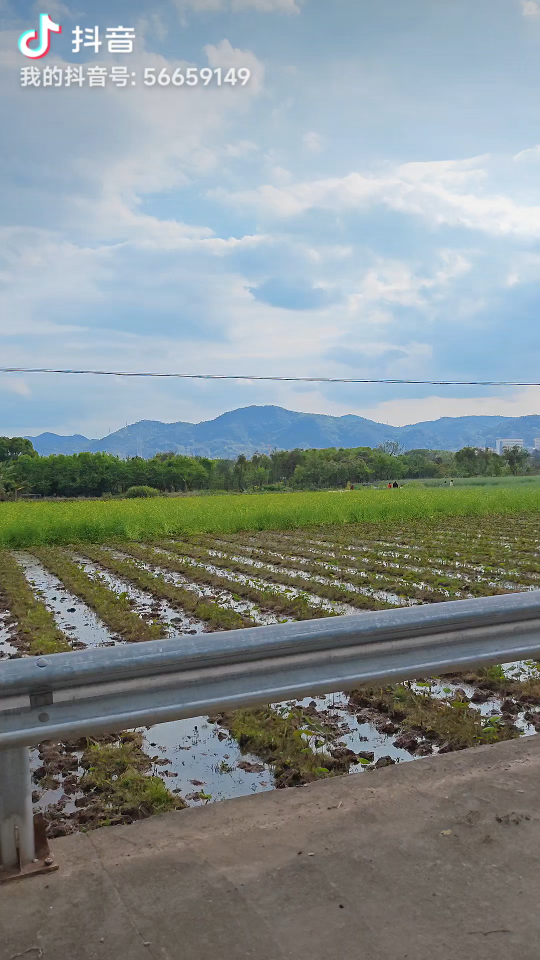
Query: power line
(242, 376)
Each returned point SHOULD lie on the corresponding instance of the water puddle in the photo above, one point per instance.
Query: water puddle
(203, 762)
(205, 753)
(54, 795)
(75, 618)
(385, 596)
(447, 566)
(330, 563)
(446, 690)
(7, 632)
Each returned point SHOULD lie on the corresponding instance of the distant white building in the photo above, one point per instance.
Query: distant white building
(507, 444)
(536, 442)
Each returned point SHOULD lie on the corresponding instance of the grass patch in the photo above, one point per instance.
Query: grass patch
(118, 783)
(114, 609)
(37, 632)
(28, 524)
(281, 738)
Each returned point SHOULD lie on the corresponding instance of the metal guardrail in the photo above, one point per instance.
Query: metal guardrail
(64, 696)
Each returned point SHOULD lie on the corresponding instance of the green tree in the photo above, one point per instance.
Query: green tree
(240, 470)
(466, 461)
(222, 476)
(516, 458)
(11, 448)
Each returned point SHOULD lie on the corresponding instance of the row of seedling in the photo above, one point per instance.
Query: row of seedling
(378, 579)
(436, 571)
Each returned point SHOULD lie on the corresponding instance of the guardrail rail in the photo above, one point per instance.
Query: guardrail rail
(68, 695)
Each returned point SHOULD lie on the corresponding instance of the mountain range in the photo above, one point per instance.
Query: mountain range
(254, 429)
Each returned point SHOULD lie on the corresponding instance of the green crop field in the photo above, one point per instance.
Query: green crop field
(26, 524)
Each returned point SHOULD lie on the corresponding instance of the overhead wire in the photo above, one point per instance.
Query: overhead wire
(245, 376)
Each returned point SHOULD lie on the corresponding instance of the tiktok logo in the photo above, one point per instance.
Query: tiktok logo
(43, 36)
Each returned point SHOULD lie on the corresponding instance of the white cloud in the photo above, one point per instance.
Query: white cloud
(517, 403)
(57, 10)
(313, 141)
(324, 253)
(200, 6)
(225, 55)
(396, 282)
(453, 192)
(268, 6)
(280, 175)
(532, 155)
(523, 267)
(120, 145)
(530, 8)
(205, 245)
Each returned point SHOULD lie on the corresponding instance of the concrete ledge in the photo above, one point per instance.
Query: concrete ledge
(433, 860)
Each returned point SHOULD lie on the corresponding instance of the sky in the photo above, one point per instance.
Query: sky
(366, 206)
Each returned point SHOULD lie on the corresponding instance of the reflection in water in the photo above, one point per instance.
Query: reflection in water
(204, 760)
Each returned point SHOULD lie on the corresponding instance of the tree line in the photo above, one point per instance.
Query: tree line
(23, 472)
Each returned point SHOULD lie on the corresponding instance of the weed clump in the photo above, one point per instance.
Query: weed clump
(119, 786)
(494, 680)
(448, 724)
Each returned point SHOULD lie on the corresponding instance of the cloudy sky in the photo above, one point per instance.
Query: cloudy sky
(368, 205)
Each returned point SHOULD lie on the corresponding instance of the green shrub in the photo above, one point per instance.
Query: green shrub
(142, 492)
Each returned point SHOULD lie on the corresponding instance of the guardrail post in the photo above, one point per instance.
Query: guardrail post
(24, 848)
(17, 847)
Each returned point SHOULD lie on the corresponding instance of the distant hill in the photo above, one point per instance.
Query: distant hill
(48, 443)
(249, 430)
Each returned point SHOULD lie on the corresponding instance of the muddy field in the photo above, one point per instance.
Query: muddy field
(56, 599)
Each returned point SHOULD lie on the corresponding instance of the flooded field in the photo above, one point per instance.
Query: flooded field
(65, 598)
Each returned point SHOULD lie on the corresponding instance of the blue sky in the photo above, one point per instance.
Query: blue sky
(367, 206)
